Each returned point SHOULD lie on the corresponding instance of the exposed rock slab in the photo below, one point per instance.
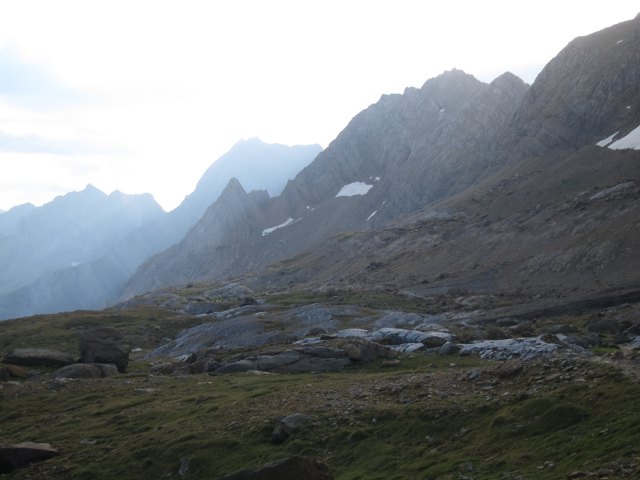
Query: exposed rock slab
(38, 357)
(288, 426)
(104, 345)
(78, 370)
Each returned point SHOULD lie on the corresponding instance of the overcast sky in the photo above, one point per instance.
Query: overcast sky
(142, 96)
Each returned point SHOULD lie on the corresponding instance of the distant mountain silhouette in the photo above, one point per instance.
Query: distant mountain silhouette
(79, 250)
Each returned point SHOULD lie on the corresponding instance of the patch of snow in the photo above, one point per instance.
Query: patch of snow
(355, 188)
(371, 216)
(442, 110)
(632, 140)
(267, 231)
(384, 202)
(308, 207)
(606, 141)
(375, 179)
(628, 107)
(74, 264)
(619, 41)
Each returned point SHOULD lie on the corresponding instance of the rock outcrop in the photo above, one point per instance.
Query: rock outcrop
(104, 345)
(38, 357)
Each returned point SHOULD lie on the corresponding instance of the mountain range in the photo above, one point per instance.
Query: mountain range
(458, 184)
(78, 251)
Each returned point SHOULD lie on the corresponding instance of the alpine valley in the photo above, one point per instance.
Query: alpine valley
(451, 289)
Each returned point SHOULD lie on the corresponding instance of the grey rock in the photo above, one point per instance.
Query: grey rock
(448, 348)
(366, 351)
(239, 366)
(408, 347)
(202, 308)
(288, 426)
(593, 339)
(104, 345)
(14, 456)
(321, 351)
(315, 332)
(571, 340)
(603, 325)
(399, 320)
(38, 357)
(292, 468)
(398, 336)
(633, 329)
(525, 348)
(238, 331)
(352, 333)
(78, 370)
(107, 369)
(562, 329)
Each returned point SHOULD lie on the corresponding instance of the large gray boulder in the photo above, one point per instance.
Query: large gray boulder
(292, 468)
(38, 357)
(104, 345)
(366, 351)
(288, 426)
(78, 370)
(13, 456)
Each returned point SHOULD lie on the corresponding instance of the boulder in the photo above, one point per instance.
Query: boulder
(16, 371)
(239, 366)
(448, 348)
(38, 357)
(292, 468)
(288, 426)
(104, 345)
(4, 374)
(78, 370)
(107, 369)
(366, 351)
(13, 456)
(398, 336)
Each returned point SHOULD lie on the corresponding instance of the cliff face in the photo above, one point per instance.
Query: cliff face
(586, 93)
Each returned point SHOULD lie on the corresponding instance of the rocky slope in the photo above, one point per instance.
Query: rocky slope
(454, 140)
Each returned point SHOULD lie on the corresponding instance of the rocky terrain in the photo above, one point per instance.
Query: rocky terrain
(343, 384)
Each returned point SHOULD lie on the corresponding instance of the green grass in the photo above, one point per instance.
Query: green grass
(421, 419)
(435, 426)
(143, 327)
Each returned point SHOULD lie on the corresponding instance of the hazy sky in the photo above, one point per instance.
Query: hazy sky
(142, 96)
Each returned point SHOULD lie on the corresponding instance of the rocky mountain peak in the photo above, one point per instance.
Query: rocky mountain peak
(586, 93)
